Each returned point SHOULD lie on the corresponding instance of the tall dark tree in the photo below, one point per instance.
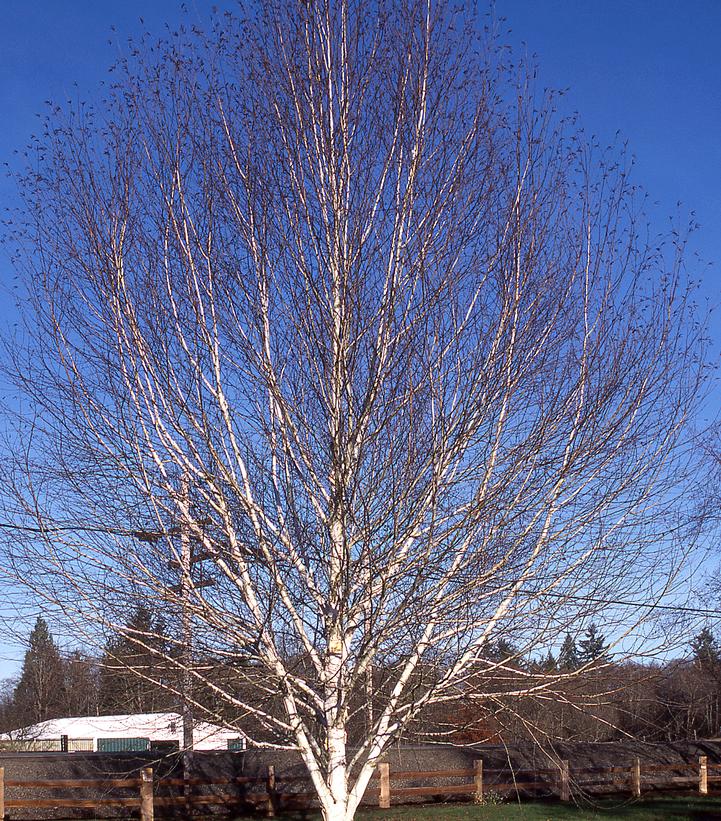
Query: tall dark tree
(82, 680)
(593, 647)
(39, 692)
(568, 658)
(134, 668)
(503, 651)
(706, 651)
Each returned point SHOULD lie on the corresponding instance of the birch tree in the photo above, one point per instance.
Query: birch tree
(347, 354)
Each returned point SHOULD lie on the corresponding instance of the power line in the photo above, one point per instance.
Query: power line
(677, 608)
(153, 535)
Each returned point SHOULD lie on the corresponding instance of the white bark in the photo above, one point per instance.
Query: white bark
(399, 333)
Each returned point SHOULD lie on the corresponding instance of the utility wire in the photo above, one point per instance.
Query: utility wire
(153, 535)
(677, 608)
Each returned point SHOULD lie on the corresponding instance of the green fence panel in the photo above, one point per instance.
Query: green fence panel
(123, 745)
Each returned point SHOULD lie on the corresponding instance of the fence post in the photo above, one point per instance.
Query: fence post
(636, 778)
(270, 788)
(2, 793)
(703, 775)
(478, 779)
(565, 782)
(384, 793)
(146, 794)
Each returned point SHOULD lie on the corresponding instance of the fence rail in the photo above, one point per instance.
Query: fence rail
(266, 789)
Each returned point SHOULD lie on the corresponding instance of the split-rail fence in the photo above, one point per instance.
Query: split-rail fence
(276, 792)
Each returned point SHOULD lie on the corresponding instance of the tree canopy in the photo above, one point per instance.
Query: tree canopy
(343, 350)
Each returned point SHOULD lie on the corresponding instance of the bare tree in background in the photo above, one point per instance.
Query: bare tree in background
(338, 270)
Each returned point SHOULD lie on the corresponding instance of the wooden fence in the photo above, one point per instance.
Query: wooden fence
(561, 781)
(271, 792)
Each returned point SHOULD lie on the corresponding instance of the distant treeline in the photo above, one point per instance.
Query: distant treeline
(608, 700)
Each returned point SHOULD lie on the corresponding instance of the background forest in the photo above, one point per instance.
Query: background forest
(608, 700)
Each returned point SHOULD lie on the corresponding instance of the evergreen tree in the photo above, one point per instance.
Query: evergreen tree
(545, 663)
(133, 665)
(81, 685)
(39, 692)
(502, 650)
(593, 647)
(568, 658)
(706, 651)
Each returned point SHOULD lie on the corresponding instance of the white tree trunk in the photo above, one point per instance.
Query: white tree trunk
(337, 808)
(406, 346)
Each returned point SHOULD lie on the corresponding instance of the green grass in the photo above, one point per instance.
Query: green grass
(672, 809)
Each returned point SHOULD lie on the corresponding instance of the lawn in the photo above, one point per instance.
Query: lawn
(673, 809)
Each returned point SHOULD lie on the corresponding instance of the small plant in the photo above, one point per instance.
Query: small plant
(488, 799)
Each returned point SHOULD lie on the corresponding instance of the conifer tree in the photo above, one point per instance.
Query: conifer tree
(706, 650)
(593, 647)
(503, 651)
(81, 684)
(38, 695)
(568, 658)
(133, 671)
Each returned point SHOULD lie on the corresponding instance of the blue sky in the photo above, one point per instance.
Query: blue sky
(650, 69)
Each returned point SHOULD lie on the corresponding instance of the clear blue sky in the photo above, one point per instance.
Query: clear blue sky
(649, 68)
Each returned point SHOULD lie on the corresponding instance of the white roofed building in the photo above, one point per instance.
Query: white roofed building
(121, 733)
